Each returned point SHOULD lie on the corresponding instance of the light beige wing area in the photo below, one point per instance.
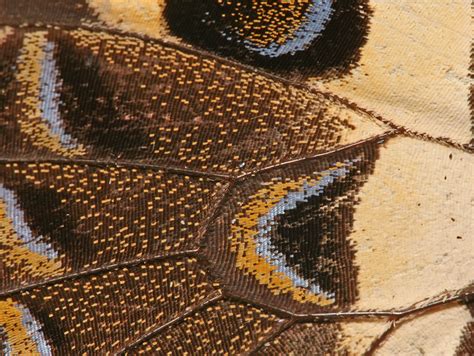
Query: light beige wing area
(443, 332)
(414, 69)
(421, 251)
(413, 225)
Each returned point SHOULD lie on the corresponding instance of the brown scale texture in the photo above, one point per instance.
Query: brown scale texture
(309, 210)
(304, 339)
(466, 344)
(45, 11)
(159, 199)
(92, 217)
(103, 313)
(122, 98)
(225, 328)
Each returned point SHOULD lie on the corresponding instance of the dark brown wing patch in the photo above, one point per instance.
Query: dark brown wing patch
(119, 152)
(94, 95)
(226, 327)
(305, 339)
(466, 345)
(104, 312)
(282, 239)
(50, 212)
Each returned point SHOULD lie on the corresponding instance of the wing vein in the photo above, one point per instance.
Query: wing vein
(99, 270)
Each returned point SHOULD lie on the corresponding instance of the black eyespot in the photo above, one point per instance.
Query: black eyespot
(311, 37)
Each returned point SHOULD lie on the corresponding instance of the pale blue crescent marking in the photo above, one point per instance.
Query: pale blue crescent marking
(266, 248)
(34, 330)
(6, 348)
(50, 98)
(17, 216)
(317, 17)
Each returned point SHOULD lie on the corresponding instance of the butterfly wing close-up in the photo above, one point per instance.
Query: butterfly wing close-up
(184, 177)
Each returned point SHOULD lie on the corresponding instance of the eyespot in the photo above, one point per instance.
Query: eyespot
(312, 36)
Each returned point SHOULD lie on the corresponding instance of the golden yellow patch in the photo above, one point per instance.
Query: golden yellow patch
(11, 322)
(244, 245)
(15, 253)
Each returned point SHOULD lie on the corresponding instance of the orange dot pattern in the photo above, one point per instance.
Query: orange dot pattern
(324, 339)
(111, 215)
(137, 175)
(122, 98)
(296, 39)
(272, 21)
(98, 314)
(226, 328)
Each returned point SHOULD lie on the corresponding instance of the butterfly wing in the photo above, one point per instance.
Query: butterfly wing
(159, 199)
